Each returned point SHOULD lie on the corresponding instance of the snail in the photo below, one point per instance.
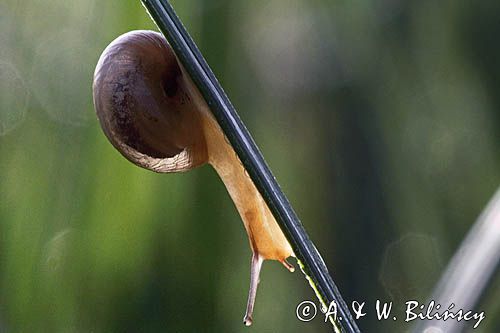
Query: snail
(154, 115)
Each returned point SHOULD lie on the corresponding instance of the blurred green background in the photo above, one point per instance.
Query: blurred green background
(380, 120)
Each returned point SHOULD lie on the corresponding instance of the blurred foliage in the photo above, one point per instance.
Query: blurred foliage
(380, 120)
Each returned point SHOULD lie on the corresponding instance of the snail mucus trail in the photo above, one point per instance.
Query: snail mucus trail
(155, 116)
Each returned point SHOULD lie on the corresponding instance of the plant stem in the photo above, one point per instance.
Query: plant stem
(188, 54)
(470, 270)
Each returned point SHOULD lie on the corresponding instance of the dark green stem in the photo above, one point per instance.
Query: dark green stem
(188, 54)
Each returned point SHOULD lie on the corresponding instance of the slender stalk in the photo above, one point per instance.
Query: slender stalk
(188, 54)
(474, 264)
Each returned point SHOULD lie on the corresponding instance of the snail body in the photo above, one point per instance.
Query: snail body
(154, 115)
